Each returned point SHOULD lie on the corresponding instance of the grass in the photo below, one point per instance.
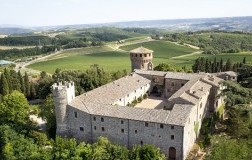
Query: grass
(164, 52)
(162, 49)
(83, 58)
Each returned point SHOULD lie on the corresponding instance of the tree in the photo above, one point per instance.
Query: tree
(146, 152)
(21, 81)
(47, 113)
(228, 65)
(14, 108)
(27, 86)
(4, 85)
(244, 60)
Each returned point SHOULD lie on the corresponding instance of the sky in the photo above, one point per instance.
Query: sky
(67, 12)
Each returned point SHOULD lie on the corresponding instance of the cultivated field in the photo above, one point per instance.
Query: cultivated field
(113, 60)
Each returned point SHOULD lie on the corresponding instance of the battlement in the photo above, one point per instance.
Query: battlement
(62, 85)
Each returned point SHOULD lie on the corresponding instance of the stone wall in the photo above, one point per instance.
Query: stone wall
(173, 85)
(124, 101)
(125, 132)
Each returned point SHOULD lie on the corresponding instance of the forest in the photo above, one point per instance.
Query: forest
(214, 42)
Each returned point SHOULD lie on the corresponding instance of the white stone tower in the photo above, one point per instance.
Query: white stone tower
(141, 58)
(63, 94)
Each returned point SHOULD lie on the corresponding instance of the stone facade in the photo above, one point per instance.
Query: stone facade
(174, 128)
(141, 58)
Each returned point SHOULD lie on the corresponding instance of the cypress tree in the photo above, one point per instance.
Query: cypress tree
(14, 80)
(207, 66)
(229, 65)
(27, 86)
(244, 60)
(221, 65)
(215, 65)
(8, 79)
(21, 81)
(4, 86)
(32, 91)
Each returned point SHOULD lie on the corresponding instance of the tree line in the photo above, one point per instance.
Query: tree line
(202, 64)
(214, 42)
(12, 54)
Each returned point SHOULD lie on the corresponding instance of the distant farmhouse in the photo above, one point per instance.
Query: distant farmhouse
(169, 118)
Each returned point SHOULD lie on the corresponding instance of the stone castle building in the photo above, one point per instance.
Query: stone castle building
(172, 124)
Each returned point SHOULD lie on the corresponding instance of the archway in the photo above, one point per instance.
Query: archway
(172, 153)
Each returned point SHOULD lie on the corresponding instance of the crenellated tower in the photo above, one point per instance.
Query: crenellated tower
(141, 58)
(63, 94)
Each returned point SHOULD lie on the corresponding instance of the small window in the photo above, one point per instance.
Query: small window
(135, 55)
(161, 126)
(145, 55)
(172, 127)
(120, 99)
(172, 137)
(81, 129)
(102, 128)
(141, 142)
(200, 105)
(122, 122)
(75, 114)
(146, 124)
(135, 131)
(172, 84)
(182, 84)
(122, 130)
(94, 127)
(140, 55)
(94, 118)
(128, 95)
(102, 119)
(168, 90)
(135, 91)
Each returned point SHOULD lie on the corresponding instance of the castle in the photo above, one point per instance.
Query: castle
(169, 118)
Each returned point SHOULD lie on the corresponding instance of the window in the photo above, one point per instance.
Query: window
(102, 128)
(172, 127)
(94, 127)
(182, 84)
(122, 130)
(141, 142)
(172, 137)
(135, 131)
(146, 124)
(140, 55)
(200, 105)
(102, 119)
(161, 126)
(122, 122)
(128, 95)
(135, 55)
(94, 118)
(168, 90)
(75, 114)
(81, 129)
(172, 84)
(120, 99)
(145, 55)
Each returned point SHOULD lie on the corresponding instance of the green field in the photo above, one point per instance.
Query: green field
(162, 49)
(164, 52)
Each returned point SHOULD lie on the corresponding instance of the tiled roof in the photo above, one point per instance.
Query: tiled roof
(112, 92)
(141, 50)
(100, 101)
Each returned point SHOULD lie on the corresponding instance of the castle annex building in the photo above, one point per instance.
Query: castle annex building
(169, 118)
